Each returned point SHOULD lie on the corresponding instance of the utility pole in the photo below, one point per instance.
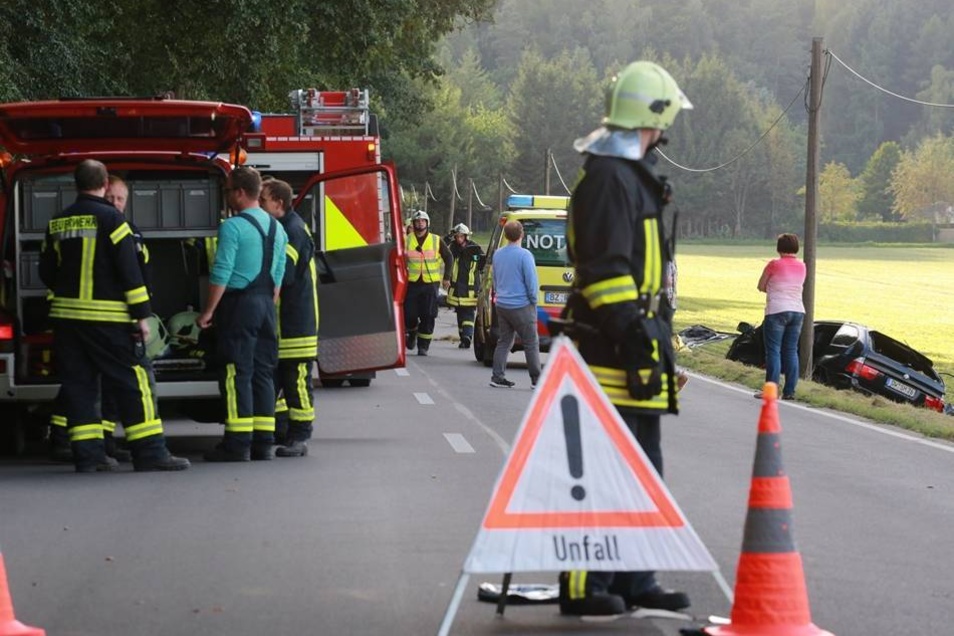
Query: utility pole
(811, 208)
(427, 189)
(500, 200)
(470, 205)
(546, 175)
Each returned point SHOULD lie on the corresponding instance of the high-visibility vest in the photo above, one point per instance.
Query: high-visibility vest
(424, 261)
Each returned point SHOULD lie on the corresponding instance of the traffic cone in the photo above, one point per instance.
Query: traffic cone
(770, 594)
(9, 625)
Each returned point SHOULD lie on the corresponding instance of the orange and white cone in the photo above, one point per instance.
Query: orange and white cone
(9, 625)
(770, 594)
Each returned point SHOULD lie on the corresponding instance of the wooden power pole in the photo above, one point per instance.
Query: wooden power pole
(546, 174)
(811, 207)
(453, 198)
(470, 204)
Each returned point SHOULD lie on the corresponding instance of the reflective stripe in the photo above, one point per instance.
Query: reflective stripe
(145, 252)
(94, 316)
(577, 584)
(304, 390)
(58, 420)
(281, 406)
(263, 424)
(314, 287)
(67, 224)
(240, 425)
(87, 259)
(145, 392)
(612, 290)
(652, 266)
(291, 252)
(301, 415)
(149, 428)
(231, 397)
(109, 427)
(425, 336)
(120, 233)
(136, 296)
(85, 432)
(613, 383)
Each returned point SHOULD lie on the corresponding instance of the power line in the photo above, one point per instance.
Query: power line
(477, 194)
(744, 152)
(881, 88)
(559, 176)
(507, 185)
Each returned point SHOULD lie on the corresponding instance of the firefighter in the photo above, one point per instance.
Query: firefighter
(297, 321)
(617, 245)
(243, 289)
(424, 254)
(99, 311)
(465, 282)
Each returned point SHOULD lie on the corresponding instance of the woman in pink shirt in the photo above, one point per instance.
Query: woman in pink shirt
(782, 281)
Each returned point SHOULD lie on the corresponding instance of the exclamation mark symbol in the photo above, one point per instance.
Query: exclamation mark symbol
(574, 446)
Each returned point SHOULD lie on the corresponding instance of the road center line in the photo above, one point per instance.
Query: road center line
(423, 398)
(458, 443)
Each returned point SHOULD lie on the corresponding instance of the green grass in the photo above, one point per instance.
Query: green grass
(905, 292)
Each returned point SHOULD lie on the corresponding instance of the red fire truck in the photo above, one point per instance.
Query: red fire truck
(175, 155)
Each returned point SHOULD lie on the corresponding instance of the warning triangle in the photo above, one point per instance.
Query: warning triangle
(578, 492)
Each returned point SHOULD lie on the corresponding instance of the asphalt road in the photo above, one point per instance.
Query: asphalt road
(368, 534)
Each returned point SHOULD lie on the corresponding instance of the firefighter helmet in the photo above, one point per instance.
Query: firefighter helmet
(643, 95)
(420, 214)
(460, 228)
(183, 330)
(157, 344)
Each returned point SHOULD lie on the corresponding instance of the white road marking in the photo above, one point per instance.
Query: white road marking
(883, 429)
(423, 398)
(402, 371)
(458, 443)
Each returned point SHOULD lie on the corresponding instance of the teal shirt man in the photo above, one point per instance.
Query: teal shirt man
(236, 268)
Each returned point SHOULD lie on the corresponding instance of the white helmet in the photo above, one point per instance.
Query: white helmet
(420, 214)
(460, 228)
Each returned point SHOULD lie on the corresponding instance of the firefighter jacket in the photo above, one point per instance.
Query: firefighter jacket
(617, 244)
(298, 303)
(89, 261)
(465, 280)
(424, 256)
(142, 254)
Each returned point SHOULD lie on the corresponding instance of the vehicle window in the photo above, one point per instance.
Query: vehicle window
(546, 240)
(846, 336)
(494, 240)
(903, 354)
(183, 126)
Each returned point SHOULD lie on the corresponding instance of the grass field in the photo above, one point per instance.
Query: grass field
(905, 292)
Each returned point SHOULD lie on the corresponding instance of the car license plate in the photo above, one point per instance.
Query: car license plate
(555, 298)
(903, 389)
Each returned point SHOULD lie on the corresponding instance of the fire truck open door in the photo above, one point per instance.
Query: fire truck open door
(355, 219)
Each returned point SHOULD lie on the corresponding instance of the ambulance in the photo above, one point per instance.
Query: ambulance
(175, 156)
(544, 226)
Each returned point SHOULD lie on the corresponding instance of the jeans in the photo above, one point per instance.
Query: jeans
(780, 332)
(521, 322)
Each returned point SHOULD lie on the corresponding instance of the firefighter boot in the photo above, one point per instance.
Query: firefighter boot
(234, 447)
(423, 344)
(90, 457)
(410, 339)
(297, 448)
(593, 603)
(150, 454)
(113, 450)
(263, 446)
(281, 426)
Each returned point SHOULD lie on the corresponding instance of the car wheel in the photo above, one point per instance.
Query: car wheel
(360, 382)
(331, 384)
(478, 345)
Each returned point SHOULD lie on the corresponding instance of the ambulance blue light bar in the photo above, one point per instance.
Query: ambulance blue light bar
(540, 202)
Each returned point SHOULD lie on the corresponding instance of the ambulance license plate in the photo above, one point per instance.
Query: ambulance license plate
(555, 298)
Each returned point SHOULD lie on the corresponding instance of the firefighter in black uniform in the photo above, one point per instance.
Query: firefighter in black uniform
(117, 193)
(465, 282)
(297, 322)
(99, 310)
(243, 288)
(617, 244)
(423, 254)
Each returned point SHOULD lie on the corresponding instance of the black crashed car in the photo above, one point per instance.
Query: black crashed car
(848, 355)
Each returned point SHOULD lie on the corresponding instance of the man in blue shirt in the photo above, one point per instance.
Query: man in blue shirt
(244, 284)
(515, 299)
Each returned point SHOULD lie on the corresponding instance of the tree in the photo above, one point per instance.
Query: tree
(837, 193)
(922, 183)
(876, 199)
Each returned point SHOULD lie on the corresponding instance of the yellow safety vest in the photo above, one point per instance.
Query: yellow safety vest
(424, 262)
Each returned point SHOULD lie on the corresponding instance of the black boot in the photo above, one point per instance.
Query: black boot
(234, 447)
(168, 463)
(90, 457)
(410, 340)
(595, 603)
(293, 449)
(659, 598)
